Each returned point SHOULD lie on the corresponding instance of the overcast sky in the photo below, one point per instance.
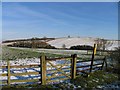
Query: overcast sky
(84, 19)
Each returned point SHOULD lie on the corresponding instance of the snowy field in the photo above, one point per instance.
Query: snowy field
(36, 69)
(31, 61)
(73, 41)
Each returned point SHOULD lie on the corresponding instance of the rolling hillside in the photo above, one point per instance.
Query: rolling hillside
(67, 42)
(73, 41)
(59, 42)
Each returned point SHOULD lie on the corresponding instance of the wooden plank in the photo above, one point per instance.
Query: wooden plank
(90, 60)
(4, 82)
(26, 66)
(95, 48)
(52, 71)
(20, 74)
(65, 69)
(98, 59)
(84, 71)
(103, 63)
(96, 67)
(61, 58)
(8, 64)
(4, 67)
(82, 66)
(43, 69)
(97, 64)
(48, 66)
(53, 75)
(93, 55)
(73, 66)
(83, 61)
(88, 65)
(58, 65)
(25, 73)
(62, 65)
(28, 80)
(22, 66)
(59, 70)
(55, 71)
(4, 74)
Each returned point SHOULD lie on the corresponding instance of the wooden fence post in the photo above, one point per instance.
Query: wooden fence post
(43, 69)
(8, 67)
(94, 52)
(103, 63)
(73, 66)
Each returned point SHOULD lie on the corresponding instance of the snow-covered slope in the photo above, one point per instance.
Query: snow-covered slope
(113, 46)
(73, 41)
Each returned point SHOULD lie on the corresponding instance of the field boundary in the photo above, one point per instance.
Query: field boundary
(65, 70)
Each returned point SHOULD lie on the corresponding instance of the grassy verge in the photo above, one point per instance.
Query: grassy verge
(95, 79)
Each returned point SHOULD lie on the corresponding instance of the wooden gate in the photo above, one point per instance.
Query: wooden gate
(57, 69)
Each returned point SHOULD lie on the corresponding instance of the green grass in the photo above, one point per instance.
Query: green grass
(16, 53)
(30, 87)
(95, 79)
(13, 53)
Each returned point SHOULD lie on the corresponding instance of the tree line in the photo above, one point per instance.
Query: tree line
(32, 44)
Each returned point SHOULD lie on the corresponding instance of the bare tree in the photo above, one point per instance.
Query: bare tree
(98, 41)
(68, 36)
(108, 44)
(103, 44)
(63, 46)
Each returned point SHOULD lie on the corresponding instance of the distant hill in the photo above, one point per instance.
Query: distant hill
(67, 42)
(37, 39)
(74, 41)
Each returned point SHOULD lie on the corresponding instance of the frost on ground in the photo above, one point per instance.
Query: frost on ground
(50, 70)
